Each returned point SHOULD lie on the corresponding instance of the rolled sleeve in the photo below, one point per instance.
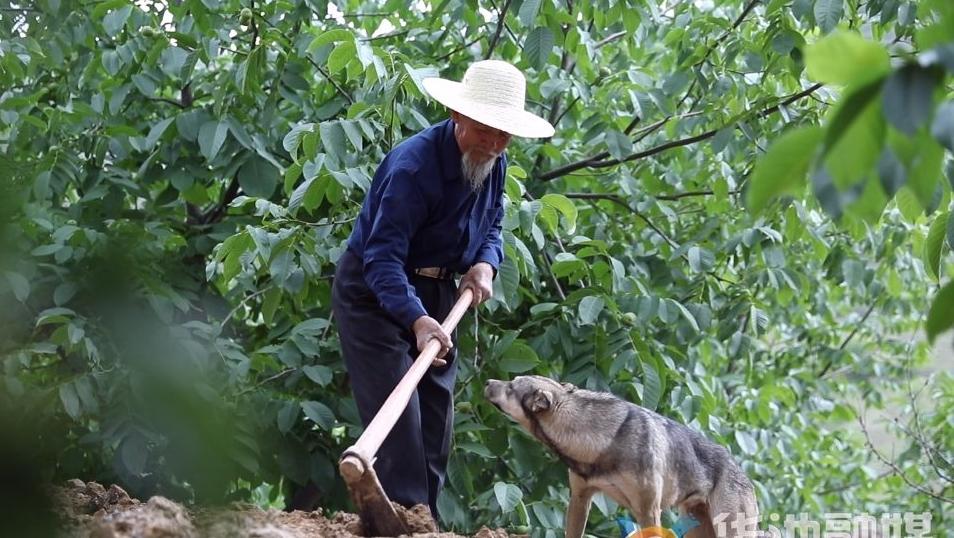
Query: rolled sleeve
(401, 212)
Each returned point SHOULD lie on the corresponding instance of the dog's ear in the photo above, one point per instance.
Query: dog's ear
(541, 400)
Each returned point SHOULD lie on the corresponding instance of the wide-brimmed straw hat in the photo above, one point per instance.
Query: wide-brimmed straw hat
(493, 93)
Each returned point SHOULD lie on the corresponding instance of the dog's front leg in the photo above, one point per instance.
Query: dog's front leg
(648, 511)
(579, 508)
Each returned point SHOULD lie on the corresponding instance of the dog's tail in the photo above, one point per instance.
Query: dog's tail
(732, 507)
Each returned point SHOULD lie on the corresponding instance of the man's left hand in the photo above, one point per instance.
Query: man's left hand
(479, 279)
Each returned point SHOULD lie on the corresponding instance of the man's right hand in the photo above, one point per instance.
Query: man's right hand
(426, 328)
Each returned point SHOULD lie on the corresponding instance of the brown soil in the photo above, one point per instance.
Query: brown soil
(91, 510)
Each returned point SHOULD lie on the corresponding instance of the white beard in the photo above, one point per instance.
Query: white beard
(475, 173)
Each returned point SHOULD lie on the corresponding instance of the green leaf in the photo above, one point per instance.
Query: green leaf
(942, 129)
(891, 172)
(538, 46)
(509, 277)
(87, 396)
(270, 304)
(258, 177)
(856, 152)
(19, 284)
(134, 454)
(249, 74)
(845, 58)
(783, 167)
(528, 12)
(565, 206)
(70, 400)
(934, 244)
(64, 292)
(287, 416)
(950, 233)
(518, 358)
(144, 84)
(157, 131)
(941, 315)
(172, 61)
(333, 139)
(293, 139)
(319, 413)
(590, 308)
(189, 123)
(686, 314)
(828, 13)
(417, 75)
(331, 36)
(908, 203)
(619, 145)
(846, 114)
(211, 137)
(508, 496)
(746, 442)
(342, 54)
(908, 97)
(319, 374)
(872, 202)
(700, 259)
(118, 97)
(114, 22)
(354, 135)
(926, 170)
(652, 386)
(103, 7)
(75, 333)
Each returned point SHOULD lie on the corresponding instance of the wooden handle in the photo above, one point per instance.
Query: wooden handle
(364, 449)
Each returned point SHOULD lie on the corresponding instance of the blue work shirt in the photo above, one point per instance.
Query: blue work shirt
(421, 212)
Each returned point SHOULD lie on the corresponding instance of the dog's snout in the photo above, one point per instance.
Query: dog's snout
(493, 386)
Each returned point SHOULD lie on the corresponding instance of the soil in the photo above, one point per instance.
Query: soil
(91, 510)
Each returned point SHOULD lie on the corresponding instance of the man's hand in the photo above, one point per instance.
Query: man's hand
(426, 328)
(480, 280)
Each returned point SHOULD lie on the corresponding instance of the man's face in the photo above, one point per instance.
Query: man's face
(481, 142)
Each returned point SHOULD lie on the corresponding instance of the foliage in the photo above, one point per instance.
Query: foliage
(181, 178)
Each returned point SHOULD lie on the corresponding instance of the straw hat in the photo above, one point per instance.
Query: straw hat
(493, 93)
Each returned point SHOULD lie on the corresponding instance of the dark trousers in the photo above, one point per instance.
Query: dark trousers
(378, 351)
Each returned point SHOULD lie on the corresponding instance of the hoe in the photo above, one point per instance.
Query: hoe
(357, 462)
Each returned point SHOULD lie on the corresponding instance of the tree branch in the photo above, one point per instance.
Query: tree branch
(341, 90)
(216, 212)
(596, 162)
(501, 20)
(665, 197)
(166, 100)
(386, 36)
(608, 39)
(928, 448)
(244, 300)
(894, 467)
(254, 26)
(619, 200)
(851, 335)
(458, 49)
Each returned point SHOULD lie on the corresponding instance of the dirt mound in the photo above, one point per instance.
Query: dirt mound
(90, 510)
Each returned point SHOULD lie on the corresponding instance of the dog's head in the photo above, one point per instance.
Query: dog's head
(527, 398)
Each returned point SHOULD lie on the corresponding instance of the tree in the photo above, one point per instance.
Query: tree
(183, 176)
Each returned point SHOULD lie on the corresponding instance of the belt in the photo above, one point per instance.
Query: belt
(441, 273)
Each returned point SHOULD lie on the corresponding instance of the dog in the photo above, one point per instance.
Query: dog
(642, 460)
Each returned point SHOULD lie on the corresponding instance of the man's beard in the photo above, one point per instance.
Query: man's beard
(476, 172)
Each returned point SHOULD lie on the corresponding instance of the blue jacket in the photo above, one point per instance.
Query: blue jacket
(420, 212)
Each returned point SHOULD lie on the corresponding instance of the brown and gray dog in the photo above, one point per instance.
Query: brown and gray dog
(642, 460)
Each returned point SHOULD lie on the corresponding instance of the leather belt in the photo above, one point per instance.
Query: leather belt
(441, 273)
